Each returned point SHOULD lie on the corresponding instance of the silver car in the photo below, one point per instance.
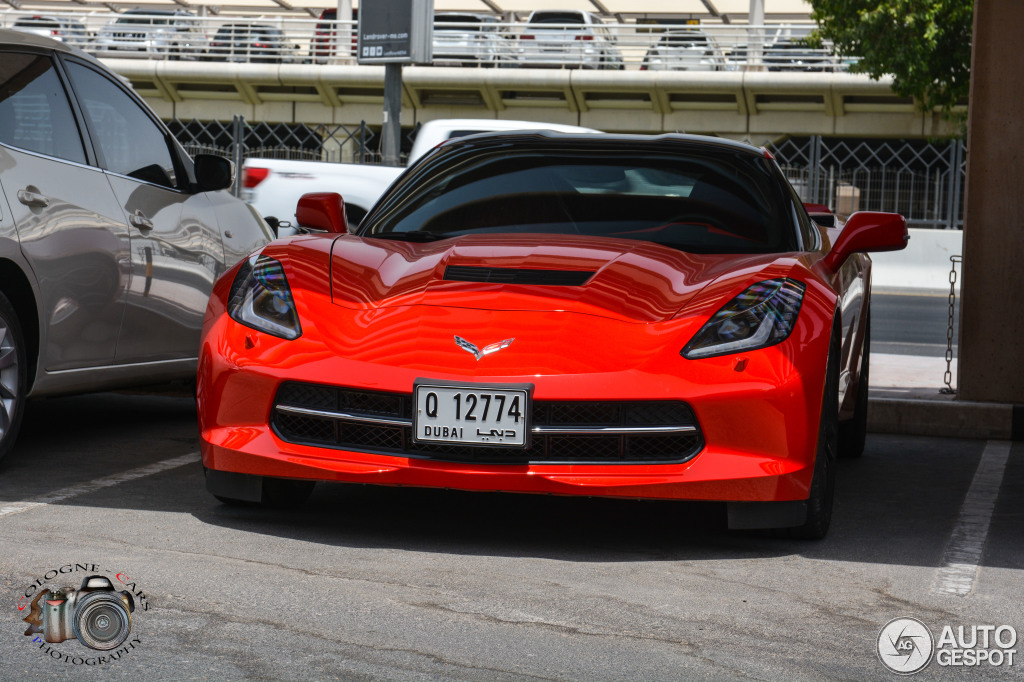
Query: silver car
(468, 38)
(569, 39)
(254, 43)
(66, 30)
(683, 50)
(151, 33)
(110, 235)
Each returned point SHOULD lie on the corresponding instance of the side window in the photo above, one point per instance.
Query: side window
(35, 114)
(128, 140)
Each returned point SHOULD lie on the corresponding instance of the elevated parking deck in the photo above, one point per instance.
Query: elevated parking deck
(753, 105)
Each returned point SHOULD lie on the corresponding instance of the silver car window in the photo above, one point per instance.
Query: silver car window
(129, 142)
(35, 114)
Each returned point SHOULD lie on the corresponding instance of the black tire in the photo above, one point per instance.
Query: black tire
(853, 432)
(280, 493)
(823, 484)
(13, 376)
(277, 493)
(232, 502)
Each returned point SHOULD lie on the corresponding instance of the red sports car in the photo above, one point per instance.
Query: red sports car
(622, 316)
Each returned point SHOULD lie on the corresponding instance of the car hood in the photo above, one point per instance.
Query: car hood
(622, 279)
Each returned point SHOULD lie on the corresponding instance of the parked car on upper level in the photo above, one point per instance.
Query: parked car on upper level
(683, 50)
(796, 55)
(151, 33)
(111, 236)
(256, 43)
(327, 35)
(567, 38)
(469, 39)
(63, 29)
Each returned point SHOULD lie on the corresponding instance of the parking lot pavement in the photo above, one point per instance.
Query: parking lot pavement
(426, 584)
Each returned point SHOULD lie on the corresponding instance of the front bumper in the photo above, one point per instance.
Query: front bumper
(758, 421)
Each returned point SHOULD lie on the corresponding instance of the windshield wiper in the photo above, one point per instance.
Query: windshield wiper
(410, 236)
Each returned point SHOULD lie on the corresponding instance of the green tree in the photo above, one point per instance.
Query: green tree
(924, 44)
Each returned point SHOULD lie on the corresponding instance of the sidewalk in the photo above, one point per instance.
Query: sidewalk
(904, 398)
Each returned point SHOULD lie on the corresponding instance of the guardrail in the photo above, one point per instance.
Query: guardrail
(178, 35)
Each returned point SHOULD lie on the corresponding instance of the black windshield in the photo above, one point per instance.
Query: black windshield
(723, 201)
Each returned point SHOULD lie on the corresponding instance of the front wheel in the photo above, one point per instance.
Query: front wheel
(823, 484)
(12, 376)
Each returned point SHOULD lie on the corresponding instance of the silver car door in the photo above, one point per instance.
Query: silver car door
(176, 249)
(70, 226)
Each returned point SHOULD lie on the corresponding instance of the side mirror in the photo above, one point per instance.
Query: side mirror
(274, 223)
(213, 172)
(322, 211)
(868, 231)
(821, 214)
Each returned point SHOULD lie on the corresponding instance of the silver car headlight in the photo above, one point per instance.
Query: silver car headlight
(260, 298)
(763, 315)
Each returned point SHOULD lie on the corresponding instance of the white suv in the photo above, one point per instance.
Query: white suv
(569, 39)
(684, 50)
(167, 34)
(468, 38)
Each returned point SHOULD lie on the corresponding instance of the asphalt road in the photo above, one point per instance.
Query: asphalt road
(911, 324)
(411, 584)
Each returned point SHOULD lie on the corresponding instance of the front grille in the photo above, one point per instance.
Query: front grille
(381, 423)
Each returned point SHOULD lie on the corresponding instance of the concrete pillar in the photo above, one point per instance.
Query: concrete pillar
(756, 36)
(991, 352)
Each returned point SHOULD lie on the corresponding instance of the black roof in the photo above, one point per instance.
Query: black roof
(665, 141)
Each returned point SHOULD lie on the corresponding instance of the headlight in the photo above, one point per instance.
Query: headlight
(761, 316)
(260, 298)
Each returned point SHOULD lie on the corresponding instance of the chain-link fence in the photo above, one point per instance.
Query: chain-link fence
(920, 179)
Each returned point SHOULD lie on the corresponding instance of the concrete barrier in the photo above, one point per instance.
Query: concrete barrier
(923, 267)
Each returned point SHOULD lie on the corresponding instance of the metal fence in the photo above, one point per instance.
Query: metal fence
(922, 180)
(491, 42)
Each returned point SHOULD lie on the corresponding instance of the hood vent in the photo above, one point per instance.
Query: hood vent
(566, 278)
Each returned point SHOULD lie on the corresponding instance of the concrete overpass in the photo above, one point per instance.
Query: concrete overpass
(754, 105)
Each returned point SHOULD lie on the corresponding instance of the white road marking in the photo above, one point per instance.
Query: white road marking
(959, 567)
(97, 484)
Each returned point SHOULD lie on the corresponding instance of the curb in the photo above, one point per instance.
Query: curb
(946, 418)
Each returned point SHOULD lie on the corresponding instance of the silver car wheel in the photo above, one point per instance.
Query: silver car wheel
(12, 375)
(8, 377)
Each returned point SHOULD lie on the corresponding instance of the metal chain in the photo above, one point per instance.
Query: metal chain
(948, 378)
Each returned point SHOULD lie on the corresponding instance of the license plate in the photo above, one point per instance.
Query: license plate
(478, 414)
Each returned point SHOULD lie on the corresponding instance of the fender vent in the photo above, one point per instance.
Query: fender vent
(565, 278)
